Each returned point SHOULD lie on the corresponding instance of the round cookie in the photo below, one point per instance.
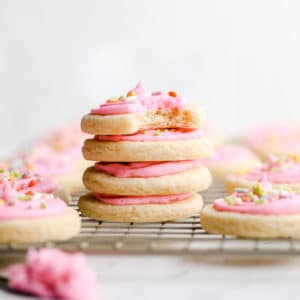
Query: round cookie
(141, 110)
(278, 138)
(58, 156)
(282, 173)
(167, 145)
(34, 230)
(231, 159)
(93, 208)
(250, 226)
(27, 217)
(134, 122)
(195, 179)
(26, 181)
(259, 212)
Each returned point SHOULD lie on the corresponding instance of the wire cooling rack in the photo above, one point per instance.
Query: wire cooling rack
(175, 237)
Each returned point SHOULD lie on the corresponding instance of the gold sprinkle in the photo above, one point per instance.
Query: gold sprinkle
(43, 205)
(131, 94)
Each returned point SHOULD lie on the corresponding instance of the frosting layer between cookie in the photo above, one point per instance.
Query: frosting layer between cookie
(139, 200)
(147, 169)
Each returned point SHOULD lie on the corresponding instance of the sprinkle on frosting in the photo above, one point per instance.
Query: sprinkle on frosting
(29, 204)
(261, 199)
(51, 273)
(139, 100)
(26, 181)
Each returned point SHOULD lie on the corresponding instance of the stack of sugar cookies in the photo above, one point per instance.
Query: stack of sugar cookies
(147, 149)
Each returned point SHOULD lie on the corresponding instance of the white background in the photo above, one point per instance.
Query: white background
(240, 59)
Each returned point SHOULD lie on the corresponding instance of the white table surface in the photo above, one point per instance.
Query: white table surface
(163, 277)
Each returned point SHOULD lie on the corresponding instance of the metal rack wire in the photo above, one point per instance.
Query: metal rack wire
(183, 237)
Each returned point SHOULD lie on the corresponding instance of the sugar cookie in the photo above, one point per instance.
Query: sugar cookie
(161, 178)
(141, 110)
(35, 217)
(278, 138)
(170, 208)
(282, 173)
(231, 159)
(58, 156)
(150, 145)
(259, 212)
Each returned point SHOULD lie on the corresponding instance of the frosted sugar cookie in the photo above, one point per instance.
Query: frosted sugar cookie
(279, 138)
(34, 217)
(58, 156)
(149, 145)
(28, 182)
(140, 209)
(259, 212)
(282, 173)
(231, 159)
(141, 110)
(149, 178)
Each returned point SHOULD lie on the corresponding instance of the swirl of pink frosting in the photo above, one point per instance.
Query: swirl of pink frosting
(68, 278)
(155, 135)
(147, 169)
(141, 101)
(228, 153)
(283, 137)
(261, 200)
(279, 171)
(139, 200)
(26, 181)
(15, 205)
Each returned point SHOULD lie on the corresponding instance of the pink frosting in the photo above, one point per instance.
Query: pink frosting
(283, 137)
(26, 181)
(48, 162)
(287, 206)
(57, 153)
(140, 102)
(147, 169)
(260, 200)
(51, 273)
(279, 171)
(138, 200)
(155, 135)
(14, 205)
(229, 153)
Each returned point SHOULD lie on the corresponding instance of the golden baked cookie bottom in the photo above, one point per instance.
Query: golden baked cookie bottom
(250, 225)
(41, 229)
(95, 209)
